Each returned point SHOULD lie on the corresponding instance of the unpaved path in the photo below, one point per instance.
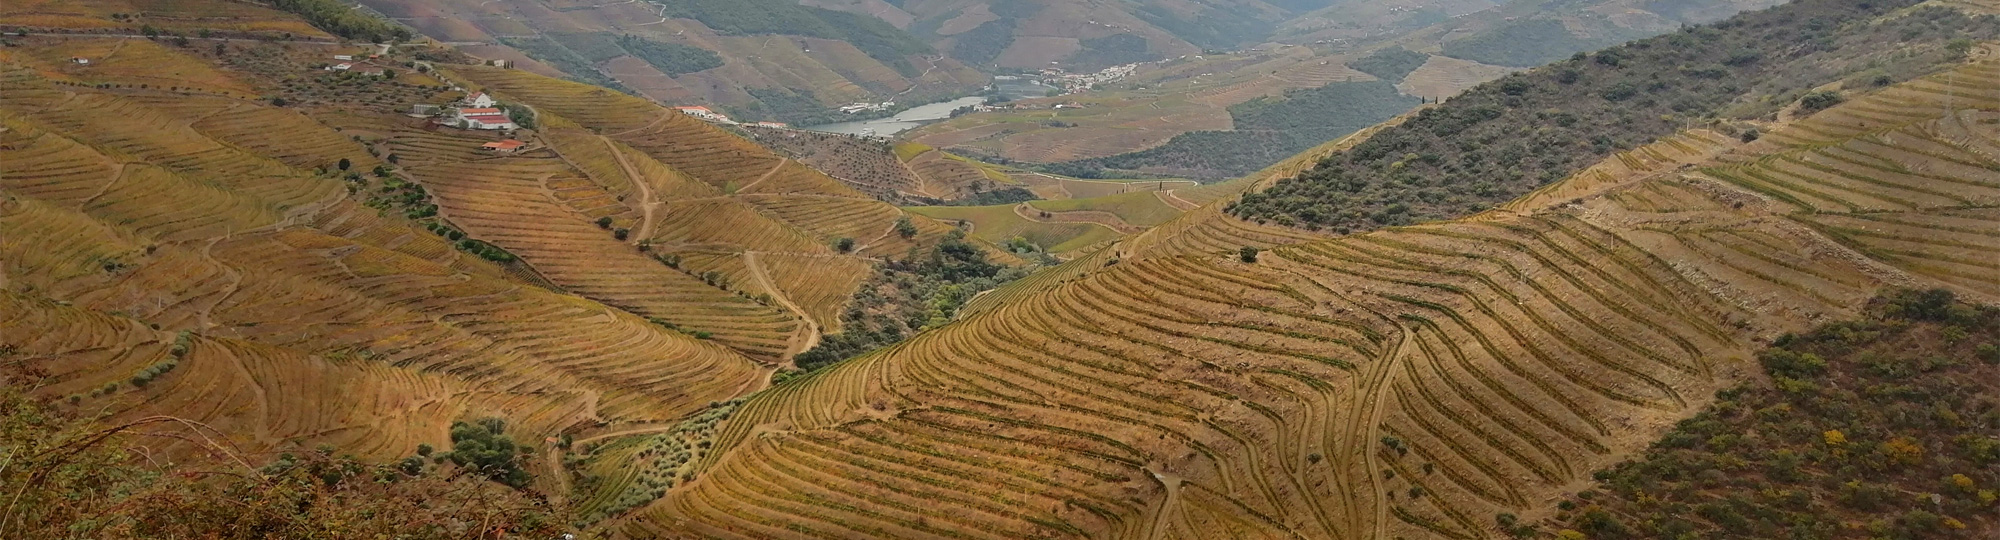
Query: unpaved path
(809, 335)
(1174, 199)
(656, 121)
(648, 203)
(1168, 507)
(1367, 443)
(767, 176)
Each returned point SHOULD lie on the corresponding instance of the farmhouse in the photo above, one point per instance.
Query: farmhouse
(483, 118)
(478, 100)
(81, 61)
(343, 66)
(779, 125)
(343, 57)
(507, 146)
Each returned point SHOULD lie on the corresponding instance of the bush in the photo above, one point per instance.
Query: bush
(1247, 254)
(1817, 101)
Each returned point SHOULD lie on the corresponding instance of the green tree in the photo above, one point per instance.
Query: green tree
(483, 446)
(1817, 101)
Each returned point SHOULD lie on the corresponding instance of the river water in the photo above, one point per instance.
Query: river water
(906, 120)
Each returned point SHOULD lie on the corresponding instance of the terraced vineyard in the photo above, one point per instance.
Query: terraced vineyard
(1409, 382)
(509, 203)
(681, 189)
(215, 257)
(138, 227)
(638, 282)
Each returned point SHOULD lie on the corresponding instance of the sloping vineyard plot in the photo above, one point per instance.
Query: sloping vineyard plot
(285, 136)
(819, 284)
(729, 223)
(262, 395)
(504, 201)
(871, 224)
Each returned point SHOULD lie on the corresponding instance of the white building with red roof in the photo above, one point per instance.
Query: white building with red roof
(507, 146)
(483, 118)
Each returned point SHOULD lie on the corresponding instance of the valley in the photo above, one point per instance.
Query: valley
(234, 237)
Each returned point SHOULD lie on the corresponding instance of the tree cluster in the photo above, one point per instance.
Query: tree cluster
(925, 289)
(343, 20)
(1266, 131)
(1390, 63)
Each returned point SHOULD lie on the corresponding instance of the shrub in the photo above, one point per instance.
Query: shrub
(844, 244)
(1247, 254)
(1818, 101)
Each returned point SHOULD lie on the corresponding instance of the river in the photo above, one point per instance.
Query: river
(902, 121)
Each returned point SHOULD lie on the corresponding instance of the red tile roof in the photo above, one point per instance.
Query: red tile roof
(471, 112)
(508, 144)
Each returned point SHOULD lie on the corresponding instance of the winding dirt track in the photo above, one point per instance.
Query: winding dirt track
(808, 335)
(648, 203)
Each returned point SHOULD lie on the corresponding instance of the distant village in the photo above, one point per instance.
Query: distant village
(1071, 83)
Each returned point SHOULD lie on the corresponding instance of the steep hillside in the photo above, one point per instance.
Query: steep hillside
(221, 231)
(682, 327)
(759, 60)
(1878, 427)
(1532, 33)
(1412, 382)
(233, 247)
(1507, 137)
